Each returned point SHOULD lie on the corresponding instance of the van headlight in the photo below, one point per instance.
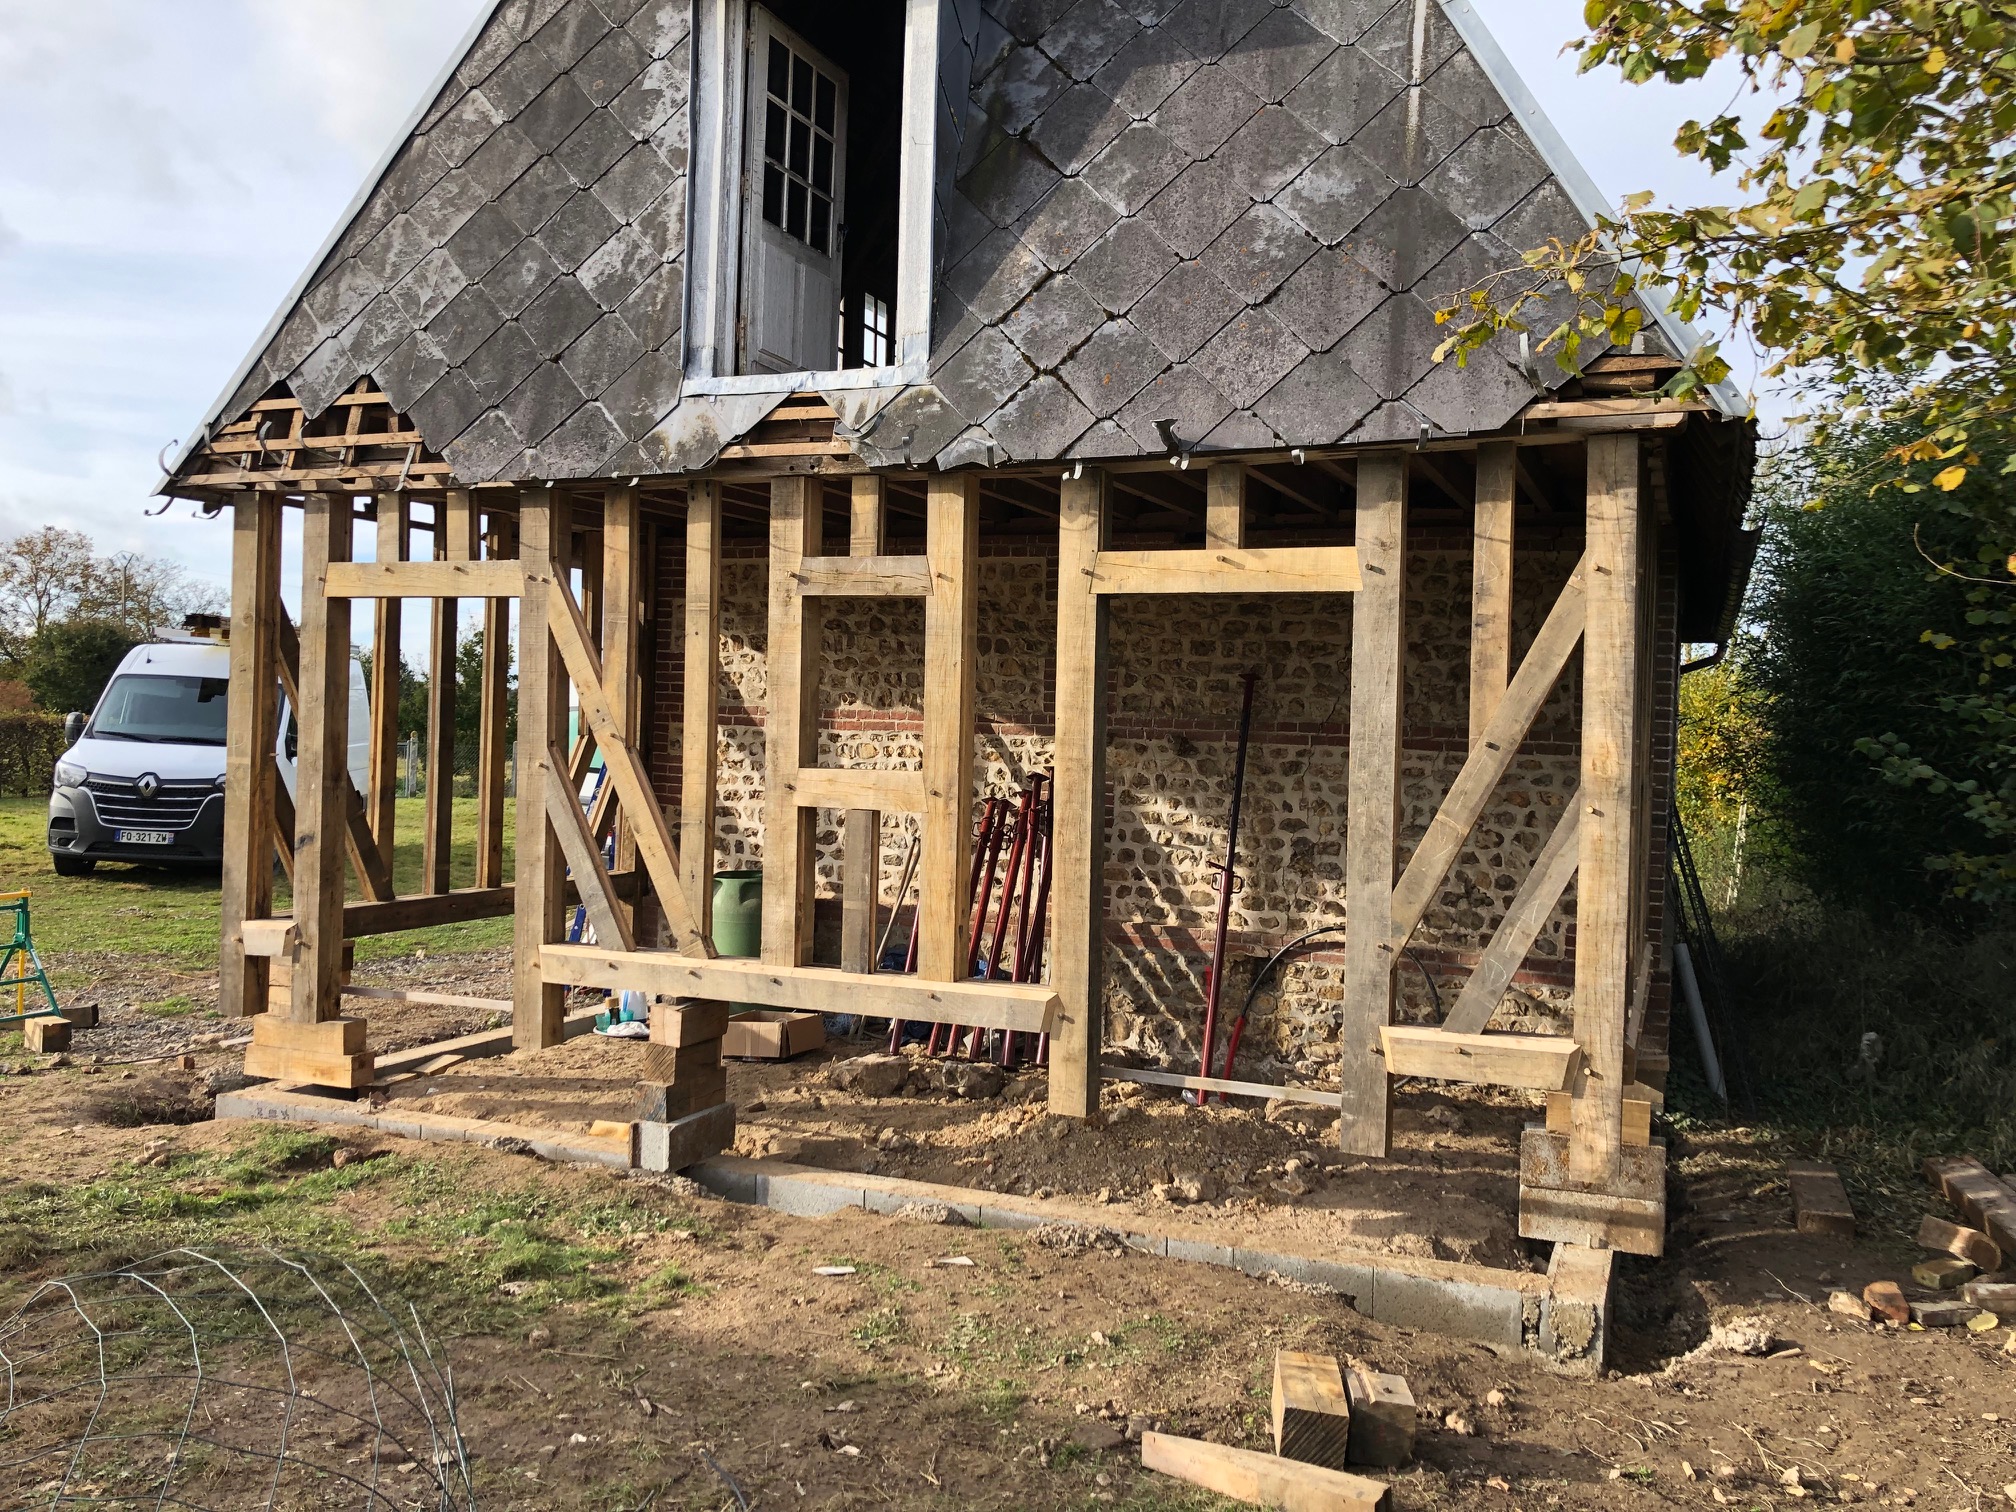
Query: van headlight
(69, 774)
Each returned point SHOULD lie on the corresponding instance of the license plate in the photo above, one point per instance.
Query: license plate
(146, 837)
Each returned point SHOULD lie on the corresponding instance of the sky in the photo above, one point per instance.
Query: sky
(174, 168)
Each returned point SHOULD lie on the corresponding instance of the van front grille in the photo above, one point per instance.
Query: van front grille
(175, 807)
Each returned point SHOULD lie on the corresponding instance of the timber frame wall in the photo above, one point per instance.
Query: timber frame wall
(572, 559)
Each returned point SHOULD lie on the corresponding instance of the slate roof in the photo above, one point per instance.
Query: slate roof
(1235, 216)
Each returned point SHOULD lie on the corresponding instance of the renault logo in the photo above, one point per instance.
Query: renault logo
(149, 785)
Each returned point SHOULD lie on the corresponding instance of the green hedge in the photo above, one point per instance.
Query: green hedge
(29, 746)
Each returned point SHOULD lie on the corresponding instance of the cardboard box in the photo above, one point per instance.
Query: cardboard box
(773, 1034)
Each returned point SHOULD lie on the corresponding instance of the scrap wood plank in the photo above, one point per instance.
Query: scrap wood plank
(1989, 1203)
(1968, 1244)
(1262, 1480)
(1819, 1201)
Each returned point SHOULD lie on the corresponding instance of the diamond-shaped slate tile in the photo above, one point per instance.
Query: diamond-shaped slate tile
(1123, 265)
(552, 118)
(1249, 356)
(661, 25)
(1184, 397)
(981, 375)
(610, 67)
(1015, 93)
(446, 410)
(1318, 402)
(601, 355)
(1390, 41)
(1208, 28)
(1394, 346)
(1185, 310)
(1270, 150)
(503, 362)
(913, 427)
(484, 450)
(575, 28)
(1333, 194)
(559, 315)
(1194, 211)
(1258, 252)
(1052, 321)
(539, 404)
(1342, 94)
(1406, 236)
(1413, 134)
(393, 252)
(372, 336)
(470, 319)
(995, 276)
(1041, 421)
(425, 292)
(581, 447)
(520, 80)
(650, 99)
(1481, 396)
(405, 375)
(1008, 181)
(1463, 86)
(596, 146)
(637, 180)
(1209, 107)
(644, 395)
(1146, 72)
(1394, 420)
(521, 277)
(1104, 440)
(975, 446)
(1477, 259)
(537, 196)
(1078, 126)
(328, 372)
(1278, 54)
(1027, 19)
(655, 313)
(1134, 167)
(1088, 35)
(465, 128)
(481, 244)
(1110, 369)
(1484, 178)
(580, 228)
(618, 266)
(500, 162)
(1241, 430)
(1066, 223)
(1342, 20)
(1326, 297)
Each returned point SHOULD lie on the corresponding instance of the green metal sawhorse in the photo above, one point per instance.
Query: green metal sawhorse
(20, 967)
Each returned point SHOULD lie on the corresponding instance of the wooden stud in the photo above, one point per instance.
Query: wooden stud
(539, 916)
(951, 619)
(454, 541)
(1225, 507)
(381, 790)
(1078, 931)
(492, 747)
(1491, 582)
(374, 875)
(861, 847)
(1532, 906)
(321, 782)
(1312, 1415)
(622, 622)
(700, 716)
(1378, 647)
(250, 780)
(1262, 1480)
(1605, 880)
(791, 729)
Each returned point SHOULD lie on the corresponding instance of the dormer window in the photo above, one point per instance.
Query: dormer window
(811, 192)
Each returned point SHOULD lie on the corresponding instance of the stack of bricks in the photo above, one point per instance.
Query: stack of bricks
(683, 1112)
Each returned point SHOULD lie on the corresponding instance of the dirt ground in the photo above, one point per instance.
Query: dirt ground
(653, 1329)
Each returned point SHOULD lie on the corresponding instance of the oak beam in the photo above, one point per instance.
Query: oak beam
(1491, 582)
(791, 729)
(861, 841)
(321, 772)
(539, 917)
(381, 788)
(250, 779)
(492, 753)
(700, 712)
(951, 620)
(1300, 569)
(1378, 653)
(1225, 507)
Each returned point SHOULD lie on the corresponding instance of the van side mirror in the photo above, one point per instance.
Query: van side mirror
(73, 727)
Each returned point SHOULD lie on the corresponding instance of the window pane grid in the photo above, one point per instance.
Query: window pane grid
(799, 118)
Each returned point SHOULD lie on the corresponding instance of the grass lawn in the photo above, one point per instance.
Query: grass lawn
(170, 913)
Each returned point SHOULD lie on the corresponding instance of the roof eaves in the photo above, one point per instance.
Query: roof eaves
(1573, 177)
(343, 221)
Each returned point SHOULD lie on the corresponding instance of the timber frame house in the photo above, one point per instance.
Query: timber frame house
(1147, 284)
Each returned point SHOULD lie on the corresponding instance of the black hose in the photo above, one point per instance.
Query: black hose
(1260, 976)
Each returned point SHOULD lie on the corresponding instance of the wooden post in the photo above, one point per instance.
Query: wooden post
(1225, 506)
(951, 619)
(492, 752)
(700, 718)
(321, 774)
(539, 914)
(861, 847)
(249, 777)
(394, 536)
(1078, 933)
(1378, 652)
(1604, 879)
(454, 541)
(1491, 582)
(622, 577)
(791, 725)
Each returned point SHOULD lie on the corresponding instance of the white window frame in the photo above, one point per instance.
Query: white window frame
(715, 204)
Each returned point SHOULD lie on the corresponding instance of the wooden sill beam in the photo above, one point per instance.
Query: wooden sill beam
(987, 1005)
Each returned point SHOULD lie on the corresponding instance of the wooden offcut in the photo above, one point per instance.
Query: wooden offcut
(1382, 1417)
(1969, 1244)
(677, 1063)
(1312, 1413)
(1819, 1201)
(688, 1022)
(1986, 1201)
(1262, 1480)
(1536, 1062)
(46, 1035)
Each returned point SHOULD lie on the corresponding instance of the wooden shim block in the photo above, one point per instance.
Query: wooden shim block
(305, 1067)
(269, 937)
(1262, 1480)
(665, 1102)
(1636, 1226)
(1267, 569)
(334, 1037)
(45, 1035)
(1025, 1007)
(1819, 1202)
(425, 580)
(1312, 1414)
(680, 1063)
(608, 1128)
(688, 1022)
(1637, 1115)
(1537, 1062)
(682, 1142)
(1988, 1203)
(1544, 1161)
(1382, 1417)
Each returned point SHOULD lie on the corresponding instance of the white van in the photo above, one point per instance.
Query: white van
(144, 779)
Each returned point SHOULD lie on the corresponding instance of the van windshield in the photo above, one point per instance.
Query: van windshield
(162, 710)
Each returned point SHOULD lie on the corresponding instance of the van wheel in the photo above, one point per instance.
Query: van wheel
(73, 866)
